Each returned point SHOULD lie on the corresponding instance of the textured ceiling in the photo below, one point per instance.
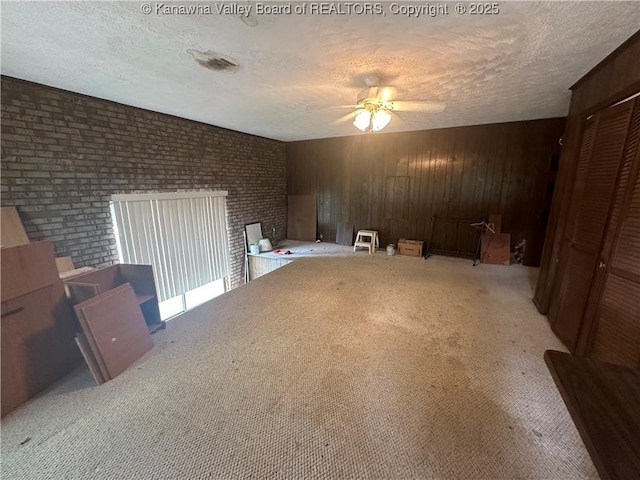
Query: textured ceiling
(294, 71)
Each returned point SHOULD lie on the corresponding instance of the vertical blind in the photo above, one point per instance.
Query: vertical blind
(183, 235)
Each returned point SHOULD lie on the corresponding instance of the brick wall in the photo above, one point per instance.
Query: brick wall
(64, 154)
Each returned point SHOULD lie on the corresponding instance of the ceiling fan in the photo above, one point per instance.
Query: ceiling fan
(375, 103)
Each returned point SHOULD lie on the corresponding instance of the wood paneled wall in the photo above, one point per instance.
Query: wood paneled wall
(612, 80)
(395, 183)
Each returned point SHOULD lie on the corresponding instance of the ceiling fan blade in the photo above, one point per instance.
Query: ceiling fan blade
(387, 94)
(419, 106)
(347, 118)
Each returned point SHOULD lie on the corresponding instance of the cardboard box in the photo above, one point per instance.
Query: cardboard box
(411, 248)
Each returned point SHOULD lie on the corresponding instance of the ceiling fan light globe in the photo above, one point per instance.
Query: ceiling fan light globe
(380, 120)
(362, 120)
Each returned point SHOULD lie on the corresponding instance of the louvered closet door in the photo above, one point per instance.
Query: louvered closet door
(617, 317)
(595, 182)
(561, 297)
(605, 287)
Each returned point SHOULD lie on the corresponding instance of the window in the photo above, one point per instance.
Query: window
(184, 237)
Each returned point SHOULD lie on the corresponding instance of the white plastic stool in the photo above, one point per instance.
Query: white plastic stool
(371, 244)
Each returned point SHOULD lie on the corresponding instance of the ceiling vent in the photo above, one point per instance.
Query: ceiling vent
(215, 61)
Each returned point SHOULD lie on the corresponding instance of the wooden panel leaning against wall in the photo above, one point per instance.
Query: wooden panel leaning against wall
(395, 183)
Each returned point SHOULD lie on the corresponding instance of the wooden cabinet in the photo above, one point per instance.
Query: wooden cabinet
(37, 329)
(596, 308)
(140, 277)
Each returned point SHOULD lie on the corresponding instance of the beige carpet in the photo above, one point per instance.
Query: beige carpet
(365, 366)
